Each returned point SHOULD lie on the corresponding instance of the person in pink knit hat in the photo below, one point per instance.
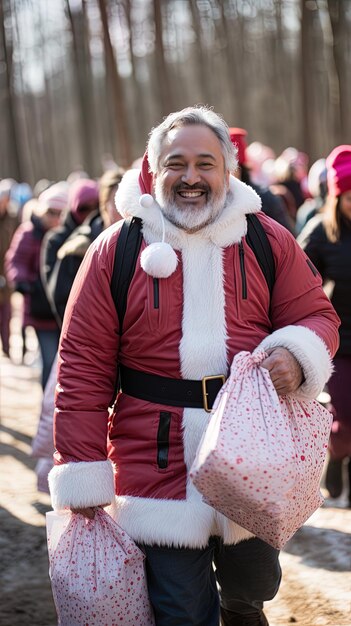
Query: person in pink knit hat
(327, 241)
(83, 198)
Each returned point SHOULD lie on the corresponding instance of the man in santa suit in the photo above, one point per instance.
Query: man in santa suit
(196, 299)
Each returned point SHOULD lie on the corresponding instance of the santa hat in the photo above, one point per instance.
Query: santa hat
(238, 138)
(158, 259)
(339, 170)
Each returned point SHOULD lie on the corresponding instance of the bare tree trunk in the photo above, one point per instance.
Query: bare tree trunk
(82, 69)
(138, 95)
(13, 143)
(280, 60)
(234, 62)
(333, 84)
(22, 109)
(117, 90)
(199, 52)
(163, 83)
(337, 10)
(305, 132)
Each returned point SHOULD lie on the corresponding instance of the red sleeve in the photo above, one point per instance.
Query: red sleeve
(87, 365)
(298, 297)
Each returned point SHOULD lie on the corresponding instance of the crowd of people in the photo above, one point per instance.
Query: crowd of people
(196, 183)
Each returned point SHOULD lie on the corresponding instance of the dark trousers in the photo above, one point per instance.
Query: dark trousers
(48, 344)
(340, 392)
(182, 582)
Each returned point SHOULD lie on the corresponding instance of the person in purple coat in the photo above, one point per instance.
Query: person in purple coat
(23, 271)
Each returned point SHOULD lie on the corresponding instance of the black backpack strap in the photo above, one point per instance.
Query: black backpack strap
(126, 255)
(257, 239)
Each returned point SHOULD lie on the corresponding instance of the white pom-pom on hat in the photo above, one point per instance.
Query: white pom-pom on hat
(146, 201)
(158, 259)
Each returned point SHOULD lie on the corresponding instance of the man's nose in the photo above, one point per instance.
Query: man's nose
(191, 175)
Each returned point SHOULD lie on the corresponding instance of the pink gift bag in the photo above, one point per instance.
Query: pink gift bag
(261, 458)
(97, 572)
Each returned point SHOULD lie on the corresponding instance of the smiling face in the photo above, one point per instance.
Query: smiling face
(191, 184)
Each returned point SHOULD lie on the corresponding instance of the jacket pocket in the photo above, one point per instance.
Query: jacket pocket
(163, 431)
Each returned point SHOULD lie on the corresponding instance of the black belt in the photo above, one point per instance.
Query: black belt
(195, 394)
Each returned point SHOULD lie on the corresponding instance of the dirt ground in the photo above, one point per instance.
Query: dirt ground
(316, 586)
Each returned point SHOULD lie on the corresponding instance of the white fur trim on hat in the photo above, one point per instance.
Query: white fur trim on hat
(311, 353)
(80, 485)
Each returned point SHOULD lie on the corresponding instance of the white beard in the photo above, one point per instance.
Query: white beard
(191, 220)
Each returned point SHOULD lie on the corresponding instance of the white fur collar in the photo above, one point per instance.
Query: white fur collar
(228, 228)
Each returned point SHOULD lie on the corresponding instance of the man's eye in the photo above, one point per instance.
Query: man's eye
(205, 164)
(174, 165)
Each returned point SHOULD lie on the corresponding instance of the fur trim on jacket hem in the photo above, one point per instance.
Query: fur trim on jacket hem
(176, 523)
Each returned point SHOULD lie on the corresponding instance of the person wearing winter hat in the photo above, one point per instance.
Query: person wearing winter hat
(83, 203)
(22, 264)
(290, 170)
(317, 187)
(256, 156)
(271, 204)
(194, 302)
(72, 249)
(63, 248)
(83, 198)
(327, 240)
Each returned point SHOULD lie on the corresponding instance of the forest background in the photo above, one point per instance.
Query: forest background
(83, 81)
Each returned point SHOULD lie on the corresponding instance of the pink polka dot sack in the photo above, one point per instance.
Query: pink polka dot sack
(261, 458)
(97, 572)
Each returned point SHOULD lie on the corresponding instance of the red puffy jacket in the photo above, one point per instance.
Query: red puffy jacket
(199, 321)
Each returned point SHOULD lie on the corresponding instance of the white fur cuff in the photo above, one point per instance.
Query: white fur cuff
(311, 353)
(82, 484)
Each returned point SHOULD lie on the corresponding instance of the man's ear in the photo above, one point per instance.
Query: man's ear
(227, 178)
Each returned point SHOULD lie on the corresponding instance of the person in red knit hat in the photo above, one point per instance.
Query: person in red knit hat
(327, 241)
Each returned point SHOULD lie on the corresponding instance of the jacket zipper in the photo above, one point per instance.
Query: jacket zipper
(156, 294)
(242, 270)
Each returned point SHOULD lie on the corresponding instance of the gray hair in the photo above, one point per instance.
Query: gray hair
(189, 116)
